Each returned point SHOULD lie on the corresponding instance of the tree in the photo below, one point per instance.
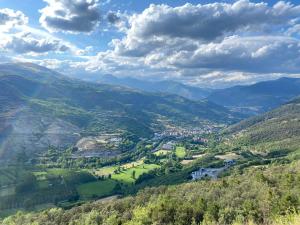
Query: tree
(133, 174)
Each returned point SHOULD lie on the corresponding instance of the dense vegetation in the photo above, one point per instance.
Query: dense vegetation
(261, 195)
(273, 131)
(147, 182)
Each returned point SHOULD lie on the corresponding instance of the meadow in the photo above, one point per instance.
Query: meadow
(96, 189)
(180, 152)
(126, 176)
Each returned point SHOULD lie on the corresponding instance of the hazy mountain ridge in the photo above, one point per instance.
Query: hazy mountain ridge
(165, 86)
(59, 109)
(259, 97)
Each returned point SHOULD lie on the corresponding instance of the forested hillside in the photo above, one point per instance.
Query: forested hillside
(41, 108)
(261, 195)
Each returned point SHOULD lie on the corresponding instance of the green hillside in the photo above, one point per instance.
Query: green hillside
(275, 130)
(258, 196)
(42, 109)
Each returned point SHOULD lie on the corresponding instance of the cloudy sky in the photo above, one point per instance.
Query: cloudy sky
(203, 43)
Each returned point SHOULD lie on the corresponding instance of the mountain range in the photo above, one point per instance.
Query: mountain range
(247, 99)
(259, 97)
(42, 108)
(164, 86)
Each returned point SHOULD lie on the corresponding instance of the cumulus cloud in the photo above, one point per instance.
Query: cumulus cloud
(202, 43)
(27, 43)
(210, 21)
(241, 40)
(113, 17)
(10, 18)
(70, 15)
(251, 54)
(202, 23)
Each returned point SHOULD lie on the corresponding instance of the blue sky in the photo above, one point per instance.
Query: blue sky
(204, 43)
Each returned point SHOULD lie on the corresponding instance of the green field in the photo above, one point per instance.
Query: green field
(59, 172)
(105, 171)
(96, 189)
(180, 152)
(162, 152)
(125, 176)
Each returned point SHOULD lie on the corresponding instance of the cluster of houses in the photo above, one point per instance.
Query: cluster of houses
(185, 132)
(169, 146)
(200, 140)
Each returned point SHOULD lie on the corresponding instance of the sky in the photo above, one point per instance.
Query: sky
(202, 43)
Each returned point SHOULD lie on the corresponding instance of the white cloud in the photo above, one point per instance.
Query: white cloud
(242, 39)
(29, 43)
(206, 23)
(205, 43)
(70, 15)
(10, 19)
(250, 54)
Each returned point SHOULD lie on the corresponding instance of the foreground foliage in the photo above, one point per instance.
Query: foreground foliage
(261, 195)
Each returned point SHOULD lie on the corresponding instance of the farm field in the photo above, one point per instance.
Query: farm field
(186, 162)
(180, 152)
(97, 188)
(126, 176)
(105, 171)
(162, 152)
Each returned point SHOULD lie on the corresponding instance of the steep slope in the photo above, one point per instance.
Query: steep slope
(166, 86)
(40, 110)
(260, 97)
(276, 130)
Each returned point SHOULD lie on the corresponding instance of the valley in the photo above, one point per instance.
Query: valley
(149, 112)
(85, 146)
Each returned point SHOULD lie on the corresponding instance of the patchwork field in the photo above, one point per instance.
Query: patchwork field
(96, 189)
(130, 175)
(180, 152)
(162, 152)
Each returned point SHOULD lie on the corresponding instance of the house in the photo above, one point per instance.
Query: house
(168, 146)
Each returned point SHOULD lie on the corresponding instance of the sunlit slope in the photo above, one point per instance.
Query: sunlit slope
(39, 109)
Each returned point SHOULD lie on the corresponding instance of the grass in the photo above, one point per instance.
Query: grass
(105, 171)
(96, 189)
(180, 152)
(125, 176)
(186, 162)
(41, 175)
(162, 152)
(59, 172)
(133, 164)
